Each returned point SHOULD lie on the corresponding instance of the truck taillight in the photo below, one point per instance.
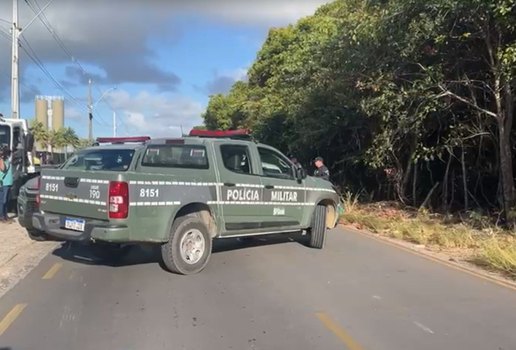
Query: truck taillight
(118, 200)
(38, 197)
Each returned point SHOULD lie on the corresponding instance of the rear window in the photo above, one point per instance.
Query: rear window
(176, 156)
(101, 159)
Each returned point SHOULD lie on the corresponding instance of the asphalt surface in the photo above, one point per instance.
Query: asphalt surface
(355, 294)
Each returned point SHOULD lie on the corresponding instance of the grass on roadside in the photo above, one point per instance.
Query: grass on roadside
(489, 247)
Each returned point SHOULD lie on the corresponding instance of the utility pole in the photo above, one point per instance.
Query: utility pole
(15, 81)
(114, 124)
(16, 31)
(90, 113)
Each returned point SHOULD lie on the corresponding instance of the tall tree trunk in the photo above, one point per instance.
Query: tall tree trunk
(505, 120)
(464, 178)
(446, 182)
(507, 181)
(414, 186)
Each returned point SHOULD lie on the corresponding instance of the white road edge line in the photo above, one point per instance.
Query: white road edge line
(423, 327)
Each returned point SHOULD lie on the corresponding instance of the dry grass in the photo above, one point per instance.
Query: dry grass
(499, 255)
(485, 245)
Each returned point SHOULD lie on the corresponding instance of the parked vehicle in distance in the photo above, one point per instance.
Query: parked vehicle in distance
(182, 193)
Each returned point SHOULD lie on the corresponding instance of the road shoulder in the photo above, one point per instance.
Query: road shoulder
(19, 255)
(439, 257)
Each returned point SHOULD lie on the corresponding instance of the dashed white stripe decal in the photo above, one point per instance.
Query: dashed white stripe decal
(154, 204)
(249, 185)
(206, 184)
(75, 200)
(184, 183)
(261, 203)
(47, 177)
(94, 181)
(174, 183)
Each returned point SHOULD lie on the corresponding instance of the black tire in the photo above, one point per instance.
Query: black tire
(171, 251)
(37, 235)
(318, 229)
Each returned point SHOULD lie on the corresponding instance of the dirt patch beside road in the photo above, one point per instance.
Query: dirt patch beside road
(19, 254)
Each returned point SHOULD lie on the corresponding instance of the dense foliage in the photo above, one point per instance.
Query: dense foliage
(405, 99)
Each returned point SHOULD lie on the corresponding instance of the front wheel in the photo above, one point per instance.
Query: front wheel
(189, 246)
(318, 230)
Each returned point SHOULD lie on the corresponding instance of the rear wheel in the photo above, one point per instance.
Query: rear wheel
(189, 247)
(318, 229)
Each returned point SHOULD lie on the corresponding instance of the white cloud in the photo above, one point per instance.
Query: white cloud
(156, 115)
(266, 12)
(113, 36)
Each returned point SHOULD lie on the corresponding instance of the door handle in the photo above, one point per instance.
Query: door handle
(229, 184)
(269, 187)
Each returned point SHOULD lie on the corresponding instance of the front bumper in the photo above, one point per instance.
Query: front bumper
(94, 230)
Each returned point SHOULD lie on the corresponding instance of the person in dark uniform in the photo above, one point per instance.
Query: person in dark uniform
(294, 161)
(321, 169)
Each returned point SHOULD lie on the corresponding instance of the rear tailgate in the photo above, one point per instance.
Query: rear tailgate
(82, 194)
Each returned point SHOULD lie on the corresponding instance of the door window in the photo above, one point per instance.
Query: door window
(236, 158)
(274, 164)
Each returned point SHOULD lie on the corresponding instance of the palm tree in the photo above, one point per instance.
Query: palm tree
(83, 143)
(69, 138)
(40, 133)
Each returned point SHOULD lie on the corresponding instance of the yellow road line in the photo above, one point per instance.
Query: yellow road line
(423, 255)
(11, 317)
(340, 332)
(52, 272)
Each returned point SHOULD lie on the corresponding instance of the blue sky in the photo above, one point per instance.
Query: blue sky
(158, 60)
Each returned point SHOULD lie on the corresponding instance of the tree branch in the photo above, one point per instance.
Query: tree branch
(464, 100)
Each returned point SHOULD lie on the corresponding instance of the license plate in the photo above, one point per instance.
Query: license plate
(74, 224)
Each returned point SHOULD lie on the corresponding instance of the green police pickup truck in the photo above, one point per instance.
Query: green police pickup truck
(182, 193)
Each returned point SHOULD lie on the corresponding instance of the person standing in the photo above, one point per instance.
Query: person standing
(321, 169)
(6, 182)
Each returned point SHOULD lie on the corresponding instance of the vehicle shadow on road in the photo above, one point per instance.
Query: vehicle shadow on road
(150, 253)
(229, 244)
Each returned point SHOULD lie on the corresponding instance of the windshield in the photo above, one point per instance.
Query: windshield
(101, 159)
(5, 135)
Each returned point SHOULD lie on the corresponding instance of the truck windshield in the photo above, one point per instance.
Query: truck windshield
(101, 159)
(5, 135)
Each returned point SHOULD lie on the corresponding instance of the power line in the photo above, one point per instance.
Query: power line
(6, 35)
(44, 20)
(33, 56)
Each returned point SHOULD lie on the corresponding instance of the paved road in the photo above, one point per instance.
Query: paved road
(356, 294)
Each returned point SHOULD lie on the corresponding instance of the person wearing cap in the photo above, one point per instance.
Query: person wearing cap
(294, 161)
(321, 169)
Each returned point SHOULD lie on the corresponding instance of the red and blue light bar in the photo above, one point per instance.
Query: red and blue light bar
(122, 140)
(221, 133)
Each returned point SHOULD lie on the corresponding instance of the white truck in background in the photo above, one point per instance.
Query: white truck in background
(15, 134)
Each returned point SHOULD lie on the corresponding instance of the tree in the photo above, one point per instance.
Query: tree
(39, 132)
(402, 98)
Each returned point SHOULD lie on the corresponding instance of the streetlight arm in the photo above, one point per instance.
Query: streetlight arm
(103, 95)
